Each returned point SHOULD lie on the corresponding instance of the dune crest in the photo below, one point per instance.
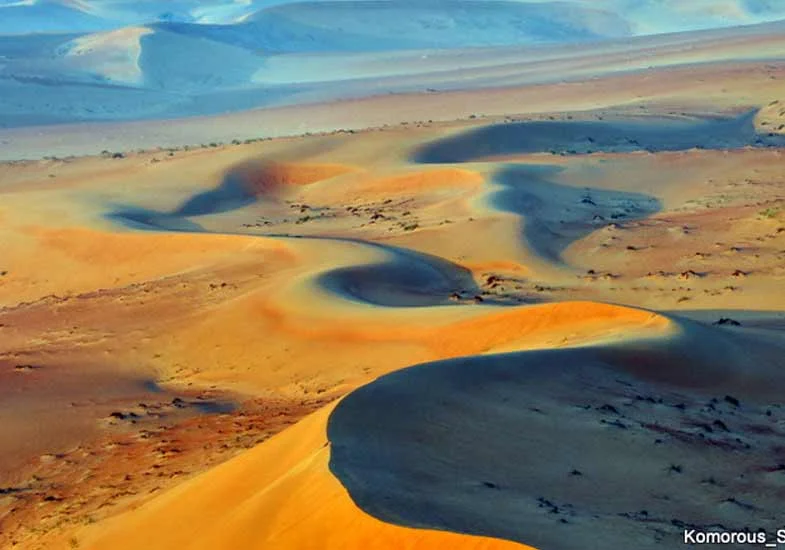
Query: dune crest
(361, 473)
(112, 56)
(294, 501)
(278, 495)
(468, 445)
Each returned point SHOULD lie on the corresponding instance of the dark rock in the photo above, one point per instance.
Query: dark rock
(728, 321)
(732, 400)
(609, 408)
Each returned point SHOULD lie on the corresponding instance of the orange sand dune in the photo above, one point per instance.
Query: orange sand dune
(281, 495)
(422, 182)
(292, 331)
(565, 323)
(74, 260)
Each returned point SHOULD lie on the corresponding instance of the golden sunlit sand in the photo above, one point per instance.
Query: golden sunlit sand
(304, 506)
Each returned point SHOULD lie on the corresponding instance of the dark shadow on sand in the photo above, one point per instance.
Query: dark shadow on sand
(232, 194)
(653, 134)
(534, 446)
(407, 279)
(144, 219)
(555, 215)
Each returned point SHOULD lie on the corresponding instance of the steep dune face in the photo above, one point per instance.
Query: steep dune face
(468, 445)
(283, 494)
(462, 453)
(112, 56)
(257, 180)
(529, 191)
(180, 63)
(279, 495)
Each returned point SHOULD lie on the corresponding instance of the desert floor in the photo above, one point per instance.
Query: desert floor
(560, 323)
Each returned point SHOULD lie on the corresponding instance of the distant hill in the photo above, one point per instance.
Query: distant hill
(379, 25)
(77, 60)
(523, 21)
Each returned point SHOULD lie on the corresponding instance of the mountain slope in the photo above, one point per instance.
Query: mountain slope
(379, 25)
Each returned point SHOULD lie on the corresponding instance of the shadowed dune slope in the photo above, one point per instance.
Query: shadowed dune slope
(280, 495)
(556, 215)
(406, 279)
(252, 181)
(467, 445)
(395, 277)
(283, 494)
(577, 137)
(241, 186)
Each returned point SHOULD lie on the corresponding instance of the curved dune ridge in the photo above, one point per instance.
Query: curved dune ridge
(467, 445)
(461, 453)
(396, 277)
(240, 186)
(113, 56)
(257, 180)
(285, 494)
(499, 437)
(278, 495)
(339, 278)
(407, 279)
(555, 215)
